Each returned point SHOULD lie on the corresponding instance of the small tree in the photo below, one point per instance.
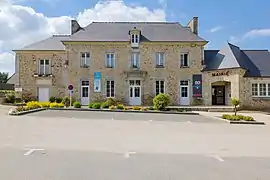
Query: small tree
(235, 102)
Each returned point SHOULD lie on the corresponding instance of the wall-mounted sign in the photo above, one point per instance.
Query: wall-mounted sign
(197, 85)
(223, 73)
(97, 81)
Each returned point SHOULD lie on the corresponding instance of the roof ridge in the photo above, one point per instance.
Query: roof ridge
(135, 22)
(255, 50)
(60, 35)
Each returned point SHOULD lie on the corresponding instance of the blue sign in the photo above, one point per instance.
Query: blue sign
(197, 85)
(97, 81)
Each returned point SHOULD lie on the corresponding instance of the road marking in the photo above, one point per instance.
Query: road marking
(218, 158)
(128, 154)
(31, 150)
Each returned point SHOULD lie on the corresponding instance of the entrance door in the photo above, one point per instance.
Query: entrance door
(85, 92)
(135, 92)
(43, 94)
(218, 95)
(184, 93)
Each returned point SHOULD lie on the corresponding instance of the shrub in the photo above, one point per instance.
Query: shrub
(58, 100)
(237, 117)
(111, 101)
(144, 109)
(77, 104)
(52, 99)
(96, 105)
(56, 105)
(18, 100)
(45, 104)
(33, 105)
(90, 105)
(120, 106)
(161, 101)
(136, 108)
(235, 102)
(66, 101)
(27, 97)
(151, 108)
(105, 104)
(112, 107)
(10, 98)
(248, 118)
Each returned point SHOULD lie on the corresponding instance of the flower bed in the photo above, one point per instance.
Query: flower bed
(240, 119)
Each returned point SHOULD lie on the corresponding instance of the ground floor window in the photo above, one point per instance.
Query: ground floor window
(110, 88)
(260, 89)
(160, 87)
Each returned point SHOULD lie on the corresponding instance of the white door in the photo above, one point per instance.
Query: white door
(135, 92)
(184, 93)
(85, 93)
(43, 94)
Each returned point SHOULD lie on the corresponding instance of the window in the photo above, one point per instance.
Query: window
(110, 60)
(260, 89)
(160, 59)
(85, 59)
(184, 62)
(254, 89)
(160, 87)
(135, 38)
(135, 60)
(110, 88)
(44, 66)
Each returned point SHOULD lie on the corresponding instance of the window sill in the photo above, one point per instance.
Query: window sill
(184, 67)
(110, 67)
(43, 75)
(85, 66)
(261, 97)
(159, 66)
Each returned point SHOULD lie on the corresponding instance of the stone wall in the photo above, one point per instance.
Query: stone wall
(28, 66)
(172, 73)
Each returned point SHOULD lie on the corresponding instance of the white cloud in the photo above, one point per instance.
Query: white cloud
(234, 39)
(215, 29)
(163, 3)
(21, 25)
(257, 33)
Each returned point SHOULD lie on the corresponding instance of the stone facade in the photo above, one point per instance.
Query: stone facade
(171, 73)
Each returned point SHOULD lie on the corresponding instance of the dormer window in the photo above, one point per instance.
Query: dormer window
(135, 38)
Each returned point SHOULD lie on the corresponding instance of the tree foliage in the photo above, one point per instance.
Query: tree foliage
(3, 77)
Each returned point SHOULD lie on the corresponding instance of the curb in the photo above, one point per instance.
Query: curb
(27, 112)
(125, 111)
(246, 122)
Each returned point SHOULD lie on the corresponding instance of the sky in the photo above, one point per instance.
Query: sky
(23, 22)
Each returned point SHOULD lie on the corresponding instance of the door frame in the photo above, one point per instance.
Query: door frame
(81, 92)
(133, 91)
(180, 92)
(214, 97)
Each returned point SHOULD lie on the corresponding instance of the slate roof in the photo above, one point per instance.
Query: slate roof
(256, 62)
(150, 31)
(51, 43)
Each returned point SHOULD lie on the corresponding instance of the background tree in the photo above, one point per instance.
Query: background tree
(3, 77)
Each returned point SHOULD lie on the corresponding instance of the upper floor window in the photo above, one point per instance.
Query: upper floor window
(135, 38)
(160, 59)
(135, 60)
(85, 59)
(110, 60)
(160, 87)
(44, 66)
(260, 89)
(184, 60)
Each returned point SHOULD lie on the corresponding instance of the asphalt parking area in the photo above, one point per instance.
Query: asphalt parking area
(125, 116)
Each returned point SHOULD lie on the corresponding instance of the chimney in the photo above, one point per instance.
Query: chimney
(75, 27)
(193, 25)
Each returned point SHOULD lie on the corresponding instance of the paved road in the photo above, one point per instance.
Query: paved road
(100, 148)
(125, 116)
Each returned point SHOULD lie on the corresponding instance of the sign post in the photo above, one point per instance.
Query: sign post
(70, 89)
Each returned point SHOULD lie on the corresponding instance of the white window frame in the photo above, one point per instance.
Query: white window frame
(110, 61)
(159, 86)
(109, 88)
(258, 89)
(44, 67)
(160, 62)
(182, 60)
(85, 61)
(135, 38)
(135, 60)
